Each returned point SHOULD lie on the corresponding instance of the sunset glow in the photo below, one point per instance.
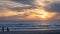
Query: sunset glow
(44, 15)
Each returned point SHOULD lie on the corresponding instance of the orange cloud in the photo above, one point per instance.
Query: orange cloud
(39, 14)
(34, 14)
(10, 13)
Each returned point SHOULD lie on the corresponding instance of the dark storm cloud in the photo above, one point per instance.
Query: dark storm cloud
(55, 7)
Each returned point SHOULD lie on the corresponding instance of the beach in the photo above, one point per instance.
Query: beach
(33, 32)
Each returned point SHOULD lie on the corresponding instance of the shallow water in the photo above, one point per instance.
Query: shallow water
(30, 29)
(26, 27)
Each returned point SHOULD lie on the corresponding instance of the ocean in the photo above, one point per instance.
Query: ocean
(28, 28)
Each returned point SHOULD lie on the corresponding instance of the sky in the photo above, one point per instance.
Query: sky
(30, 10)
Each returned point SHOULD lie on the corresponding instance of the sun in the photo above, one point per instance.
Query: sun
(43, 14)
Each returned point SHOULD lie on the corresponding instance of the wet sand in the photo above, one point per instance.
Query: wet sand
(33, 32)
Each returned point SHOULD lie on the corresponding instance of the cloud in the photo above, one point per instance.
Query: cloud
(55, 7)
(25, 9)
(30, 2)
(7, 8)
(12, 5)
(29, 10)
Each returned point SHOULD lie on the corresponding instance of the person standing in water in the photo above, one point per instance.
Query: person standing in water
(7, 29)
(2, 29)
